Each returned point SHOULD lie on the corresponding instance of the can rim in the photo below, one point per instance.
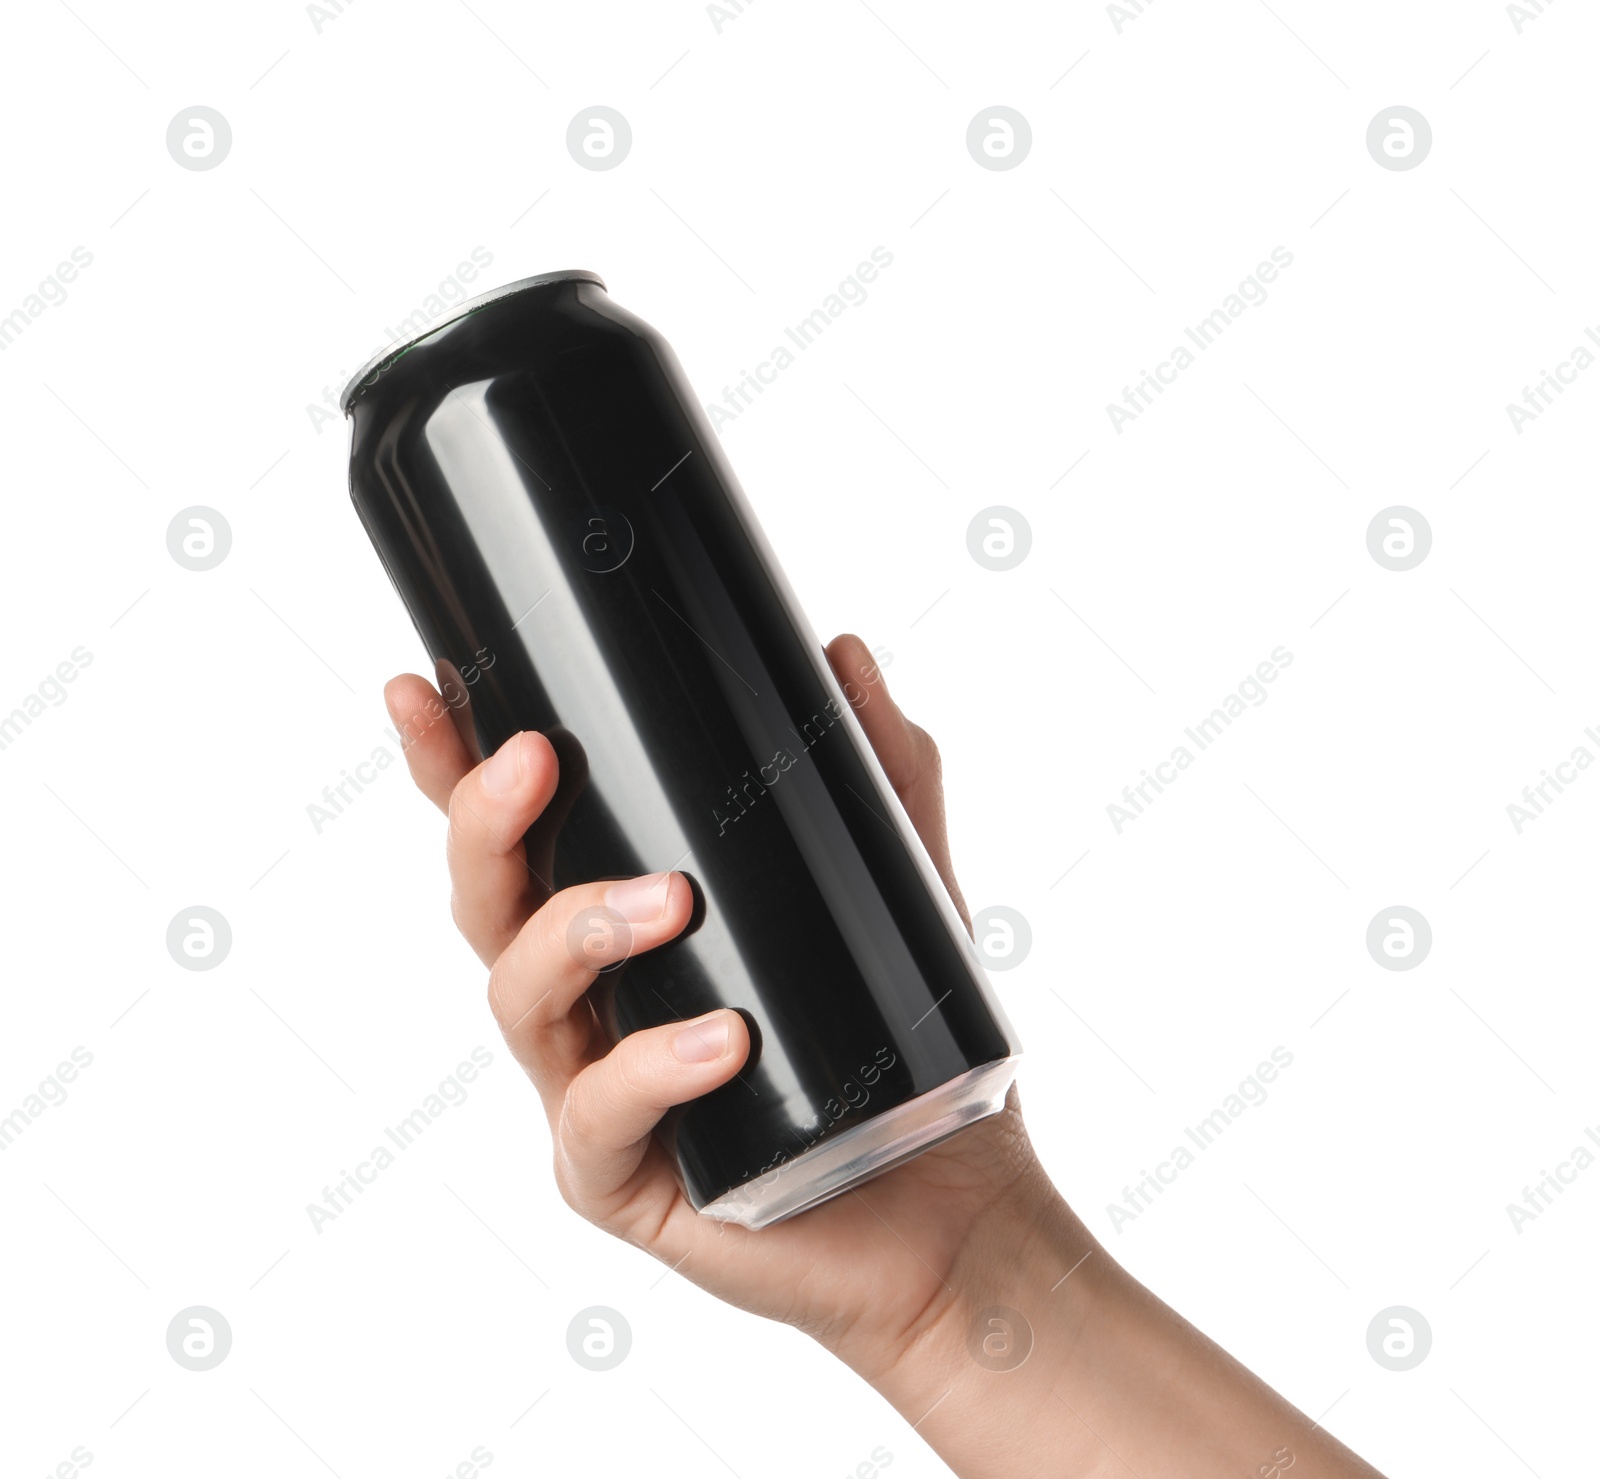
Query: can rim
(383, 357)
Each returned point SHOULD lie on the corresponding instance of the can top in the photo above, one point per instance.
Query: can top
(380, 361)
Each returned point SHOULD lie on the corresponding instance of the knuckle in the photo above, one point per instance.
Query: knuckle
(572, 1124)
(631, 1078)
(534, 978)
(578, 1126)
(455, 840)
(563, 1173)
(509, 987)
(536, 945)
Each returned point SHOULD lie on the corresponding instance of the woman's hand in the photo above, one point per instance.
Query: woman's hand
(867, 1273)
(959, 1284)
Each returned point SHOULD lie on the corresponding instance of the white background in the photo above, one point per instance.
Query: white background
(769, 157)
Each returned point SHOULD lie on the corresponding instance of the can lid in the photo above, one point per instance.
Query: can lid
(382, 360)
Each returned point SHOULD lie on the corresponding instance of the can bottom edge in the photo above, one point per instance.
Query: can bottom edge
(889, 1140)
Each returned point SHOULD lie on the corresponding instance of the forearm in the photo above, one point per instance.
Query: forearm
(1112, 1380)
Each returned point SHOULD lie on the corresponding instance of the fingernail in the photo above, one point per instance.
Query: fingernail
(702, 1040)
(504, 769)
(640, 900)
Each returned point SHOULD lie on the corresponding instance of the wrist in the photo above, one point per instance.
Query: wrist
(1043, 1355)
(991, 1365)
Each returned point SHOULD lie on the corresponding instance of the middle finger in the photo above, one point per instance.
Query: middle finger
(556, 956)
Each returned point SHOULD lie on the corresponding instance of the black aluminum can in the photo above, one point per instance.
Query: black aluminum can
(557, 514)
